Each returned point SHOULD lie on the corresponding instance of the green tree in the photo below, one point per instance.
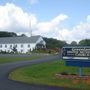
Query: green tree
(54, 43)
(7, 34)
(73, 43)
(14, 49)
(23, 35)
(85, 42)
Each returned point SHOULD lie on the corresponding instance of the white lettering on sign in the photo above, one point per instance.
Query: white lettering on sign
(81, 52)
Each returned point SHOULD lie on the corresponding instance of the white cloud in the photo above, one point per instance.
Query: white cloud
(33, 1)
(88, 18)
(54, 29)
(50, 27)
(78, 32)
(13, 18)
(57, 20)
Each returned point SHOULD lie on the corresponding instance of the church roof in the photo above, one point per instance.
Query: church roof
(24, 39)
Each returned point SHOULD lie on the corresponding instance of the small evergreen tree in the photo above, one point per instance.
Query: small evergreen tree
(14, 49)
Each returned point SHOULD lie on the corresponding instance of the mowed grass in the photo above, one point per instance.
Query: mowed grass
(45, 74)
(8, 59)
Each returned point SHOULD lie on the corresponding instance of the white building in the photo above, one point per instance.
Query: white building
(21, 44)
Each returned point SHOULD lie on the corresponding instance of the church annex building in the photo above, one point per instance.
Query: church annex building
(21, 44)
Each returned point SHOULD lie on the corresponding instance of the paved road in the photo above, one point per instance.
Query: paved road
(7, 84)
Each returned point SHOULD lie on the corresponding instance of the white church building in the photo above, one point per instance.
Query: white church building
(22, 44)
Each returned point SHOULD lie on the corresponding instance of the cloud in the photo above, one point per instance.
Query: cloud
(78, 32)
(59, 18)
(50, 27)
(54, 28)
(33, 1)
(13, 18)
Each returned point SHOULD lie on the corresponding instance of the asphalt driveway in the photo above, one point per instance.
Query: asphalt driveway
(7, 84)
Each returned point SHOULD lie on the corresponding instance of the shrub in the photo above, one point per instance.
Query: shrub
(64, 73)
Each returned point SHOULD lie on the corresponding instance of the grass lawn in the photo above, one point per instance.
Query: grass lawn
(8, 59)
(45, 74)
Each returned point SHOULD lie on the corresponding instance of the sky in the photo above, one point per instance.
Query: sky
(67, 20)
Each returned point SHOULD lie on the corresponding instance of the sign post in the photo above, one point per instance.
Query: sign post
(77, 56)
(80, 71)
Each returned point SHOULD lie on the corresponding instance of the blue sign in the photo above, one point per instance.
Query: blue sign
(78, 63)
(77, 56)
